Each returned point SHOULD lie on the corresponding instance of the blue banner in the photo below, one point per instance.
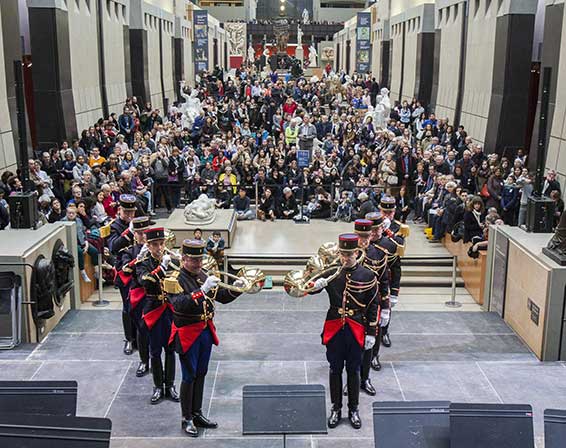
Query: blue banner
(200, 28)
(363, 42)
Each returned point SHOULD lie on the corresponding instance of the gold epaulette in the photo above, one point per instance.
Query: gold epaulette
(172, 286)
(404, 230)
(106, 230)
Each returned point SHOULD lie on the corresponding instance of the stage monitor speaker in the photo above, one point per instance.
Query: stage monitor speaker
(24, 213)
(284, 409)
(54, 431)
(540, 214)
(415, 424)
(474, 425)
(554, 428)
(39, 397)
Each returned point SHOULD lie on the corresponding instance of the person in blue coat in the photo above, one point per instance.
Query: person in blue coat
(509, 201)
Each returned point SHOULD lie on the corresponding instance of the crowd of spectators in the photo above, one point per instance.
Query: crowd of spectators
(242, 150)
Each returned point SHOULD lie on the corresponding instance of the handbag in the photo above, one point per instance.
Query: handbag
(171, 178)
(484, 193)
(392, 180)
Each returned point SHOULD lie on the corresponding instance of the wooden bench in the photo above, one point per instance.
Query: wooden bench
(472, 270)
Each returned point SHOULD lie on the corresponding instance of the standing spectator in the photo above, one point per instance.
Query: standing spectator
(509, 201)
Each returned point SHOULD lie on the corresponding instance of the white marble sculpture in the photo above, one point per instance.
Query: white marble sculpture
(191, 108)
(305, 15)
(386, 103)
(251, 54)
(312, 56)
(299, 35)
(201, 211)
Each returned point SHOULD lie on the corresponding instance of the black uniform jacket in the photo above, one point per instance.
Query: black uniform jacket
(193, 311)
(353, 302)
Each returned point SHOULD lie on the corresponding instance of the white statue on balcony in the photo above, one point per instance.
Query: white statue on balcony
(251, 54)
(305, 15)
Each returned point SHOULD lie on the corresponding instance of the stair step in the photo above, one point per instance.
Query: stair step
(412, 282)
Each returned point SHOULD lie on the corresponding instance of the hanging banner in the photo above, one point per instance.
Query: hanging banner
(200, 22)
(363, 43)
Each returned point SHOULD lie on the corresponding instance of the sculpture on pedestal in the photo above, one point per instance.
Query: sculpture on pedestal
(556, 248)
(191, 108)
(251, 54)
(312, 56)
(299, 36)
(201, 211)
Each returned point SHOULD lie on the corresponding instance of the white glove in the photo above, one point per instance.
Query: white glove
(384, 319)
(239, 283)
(143, 252)
(386, 223)
(131, 227)
(165, 261)
(210, 283)
(369, 342)
(393, 300)
(321, 283)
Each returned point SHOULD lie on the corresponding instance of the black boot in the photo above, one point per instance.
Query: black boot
(335, 383)
(157, 370)
(386, 340)
(367, 387)
(198, 418)
(354, 399)
(129, 333)
(170, 391)
(186, 398)
(375, 364)
(143, 350)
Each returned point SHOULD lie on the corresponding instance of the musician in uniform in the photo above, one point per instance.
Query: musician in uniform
(120, 238)
(193, 332)
(377, 260)
(349, 327)
(158, 314)
(396, 232)
(126, 269)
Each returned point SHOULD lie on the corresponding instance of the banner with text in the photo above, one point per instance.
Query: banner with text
(363, 43)
(200, 22)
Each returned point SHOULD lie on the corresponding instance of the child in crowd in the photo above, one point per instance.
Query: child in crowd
(215, 247)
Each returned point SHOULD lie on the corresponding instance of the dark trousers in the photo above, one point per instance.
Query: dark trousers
(142, 333)
(195, 361)
(162, 192)
(159, 342)
(127, 324)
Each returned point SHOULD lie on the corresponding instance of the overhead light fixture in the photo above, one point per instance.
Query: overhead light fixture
(282, 7)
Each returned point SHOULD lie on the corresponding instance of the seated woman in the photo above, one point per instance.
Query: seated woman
(266, 207)
(474, 219)
(320, 206)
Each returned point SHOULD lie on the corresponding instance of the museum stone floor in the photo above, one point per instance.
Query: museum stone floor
(271, 338)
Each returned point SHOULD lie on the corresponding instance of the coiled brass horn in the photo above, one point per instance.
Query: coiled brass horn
(326, 263)
(253, 278)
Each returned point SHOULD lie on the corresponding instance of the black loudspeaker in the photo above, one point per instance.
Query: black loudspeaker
(491, 426)
(39, 397)
(284, 409)
(24, 213)
(54, 431)
(554, 428)
(416, 424)
(540, 214)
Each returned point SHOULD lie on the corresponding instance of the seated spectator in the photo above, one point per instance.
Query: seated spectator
(197, 234)
(215, 247)
(474, 219)
(403, 205)
(289, 208)
(242, 205)
(266, 207)
(558, 206)
(344, 210)
(4, 212)
(84, 247)
(222, 197)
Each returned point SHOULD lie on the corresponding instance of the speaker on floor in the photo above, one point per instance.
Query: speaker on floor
(419, 424)
(39, 397)
(24, 213)
(540, 214)
(554, 428)
(475, 425)
(49, 431)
